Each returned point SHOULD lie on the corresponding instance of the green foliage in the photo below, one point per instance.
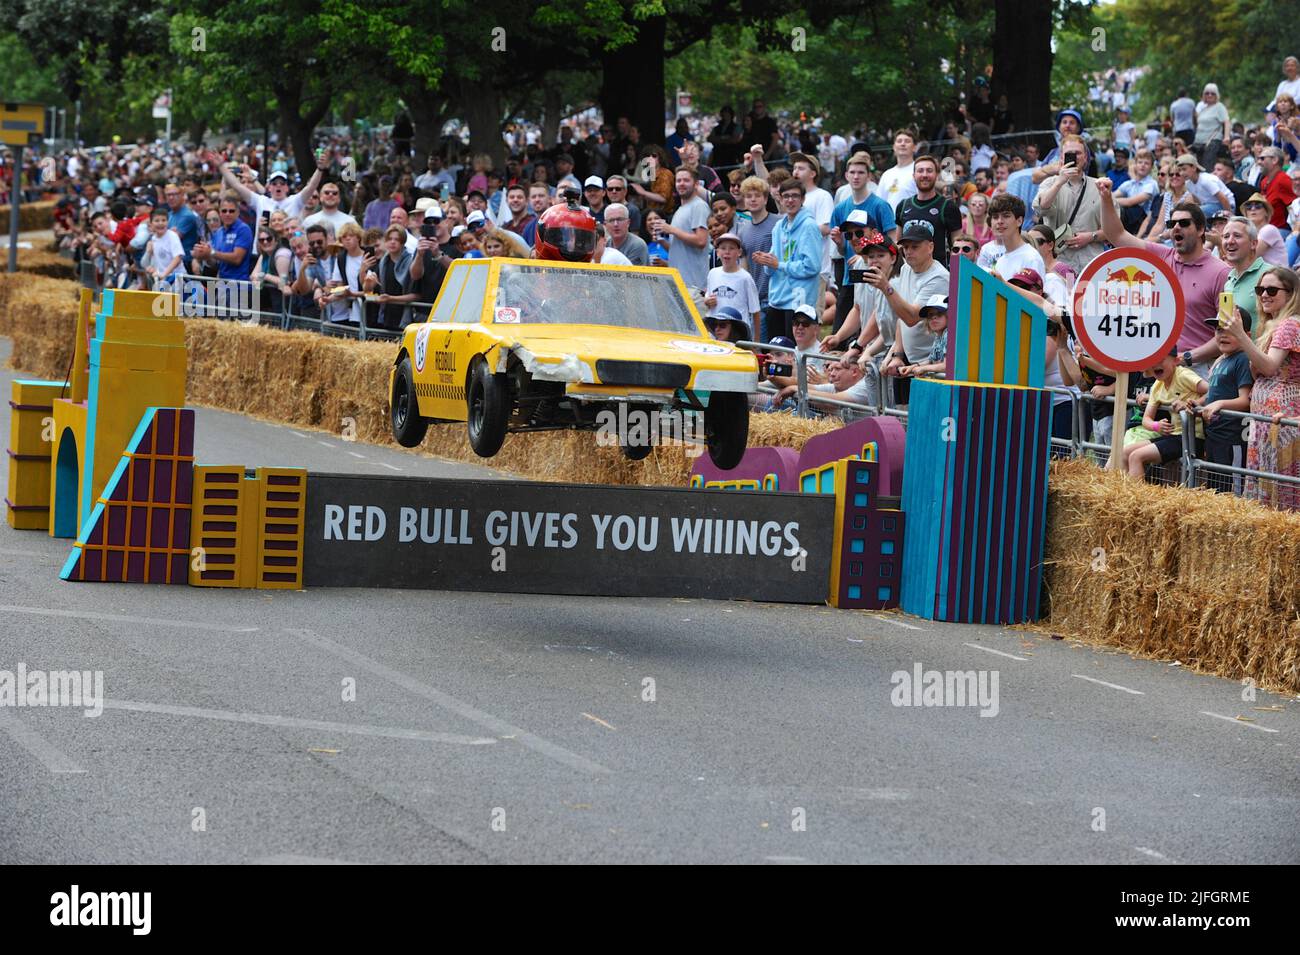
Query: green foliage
(853, 69)
(1238, 44)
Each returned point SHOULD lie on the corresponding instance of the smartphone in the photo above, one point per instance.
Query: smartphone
(1225, 309)
(859, 276)
(445, 192)
(1070, 163)
(429, 229)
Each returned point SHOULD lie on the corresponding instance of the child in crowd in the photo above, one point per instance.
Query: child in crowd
(1177, 386)
(935, 315)
(466, 242)
(730, 285)
(728, 325)
(1230, 384)
(163, 256)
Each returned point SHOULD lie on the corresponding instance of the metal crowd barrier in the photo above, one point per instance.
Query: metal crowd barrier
(207, 297)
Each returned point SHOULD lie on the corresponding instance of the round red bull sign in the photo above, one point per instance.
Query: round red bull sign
(1128, 309)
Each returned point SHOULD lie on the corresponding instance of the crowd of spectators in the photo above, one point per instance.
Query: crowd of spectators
(786, 234)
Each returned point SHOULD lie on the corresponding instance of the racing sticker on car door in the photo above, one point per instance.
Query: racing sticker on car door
(421, 347)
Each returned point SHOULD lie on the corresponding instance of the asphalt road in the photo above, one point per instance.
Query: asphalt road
(497, 728)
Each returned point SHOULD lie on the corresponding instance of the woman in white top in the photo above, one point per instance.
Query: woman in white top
(1271, 246)
(346, 305)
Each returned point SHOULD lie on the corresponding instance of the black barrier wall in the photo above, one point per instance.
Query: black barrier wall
(523, 537)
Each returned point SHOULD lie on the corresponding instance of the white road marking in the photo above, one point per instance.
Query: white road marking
(124, 618)
(298, 433)
(790, 860)
(5, 552)
(1150, 852)
(385, 464)
(327, 444)
(1233, 719)
(896, 623)
(498, 727)
(1113, 686)
(54, 759)
(291, 722)
(355, 455)
(1009, 656)
(597, 719)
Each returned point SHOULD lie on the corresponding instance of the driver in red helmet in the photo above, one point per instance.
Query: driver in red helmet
(566, 232)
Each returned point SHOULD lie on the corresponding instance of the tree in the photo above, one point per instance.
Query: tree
(1022, 60)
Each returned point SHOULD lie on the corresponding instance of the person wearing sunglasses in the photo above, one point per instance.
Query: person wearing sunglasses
(964, 244)
(1274, 356)
(1201, 276)
(867, 211)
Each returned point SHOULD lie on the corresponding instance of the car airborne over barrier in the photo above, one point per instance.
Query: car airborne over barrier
(517, 345)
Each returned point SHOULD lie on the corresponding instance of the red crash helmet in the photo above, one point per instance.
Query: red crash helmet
(566, 233)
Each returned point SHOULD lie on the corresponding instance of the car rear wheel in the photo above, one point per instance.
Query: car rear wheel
(637, 452)
(489, 409)
(408, 427)
(726, 428)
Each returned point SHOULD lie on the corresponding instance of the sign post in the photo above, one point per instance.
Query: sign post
(1128, 313)
(21, 124)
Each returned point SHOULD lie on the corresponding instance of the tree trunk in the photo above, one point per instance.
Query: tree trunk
(296, 127)
(429, 114)
(632, 82)
(550, 115)
(1022, 61)
(481, 105)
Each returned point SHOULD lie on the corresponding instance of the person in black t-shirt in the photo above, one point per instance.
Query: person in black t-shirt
(762, 129)
(940, 214)
(428, 269)
(726, 139)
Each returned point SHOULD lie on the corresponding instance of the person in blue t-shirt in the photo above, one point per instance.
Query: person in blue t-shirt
(878, 215)
(231, 246)
(182, 219)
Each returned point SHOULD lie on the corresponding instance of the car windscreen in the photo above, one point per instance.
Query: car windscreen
(543, 295)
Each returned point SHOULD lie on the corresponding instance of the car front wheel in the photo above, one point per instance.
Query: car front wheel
(408, 427)
(726, 428)
(488, 403)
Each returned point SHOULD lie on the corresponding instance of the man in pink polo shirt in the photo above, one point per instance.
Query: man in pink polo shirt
(1200, 274)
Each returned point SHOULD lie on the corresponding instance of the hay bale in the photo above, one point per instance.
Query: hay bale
(1172, 573)
(32, 216)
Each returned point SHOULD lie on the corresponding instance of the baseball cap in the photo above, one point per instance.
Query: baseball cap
(872, 239)
(1246, 320)
(939, 302)
(805, 312)
(1121, 150)
(1187, 159)
(475, 219)
(457, 231)
(276, 175)
(917, 231)
(810, 160)
(859, 157)
(593, 182)
(858, 217)
(1028, 278)
(728, 237)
